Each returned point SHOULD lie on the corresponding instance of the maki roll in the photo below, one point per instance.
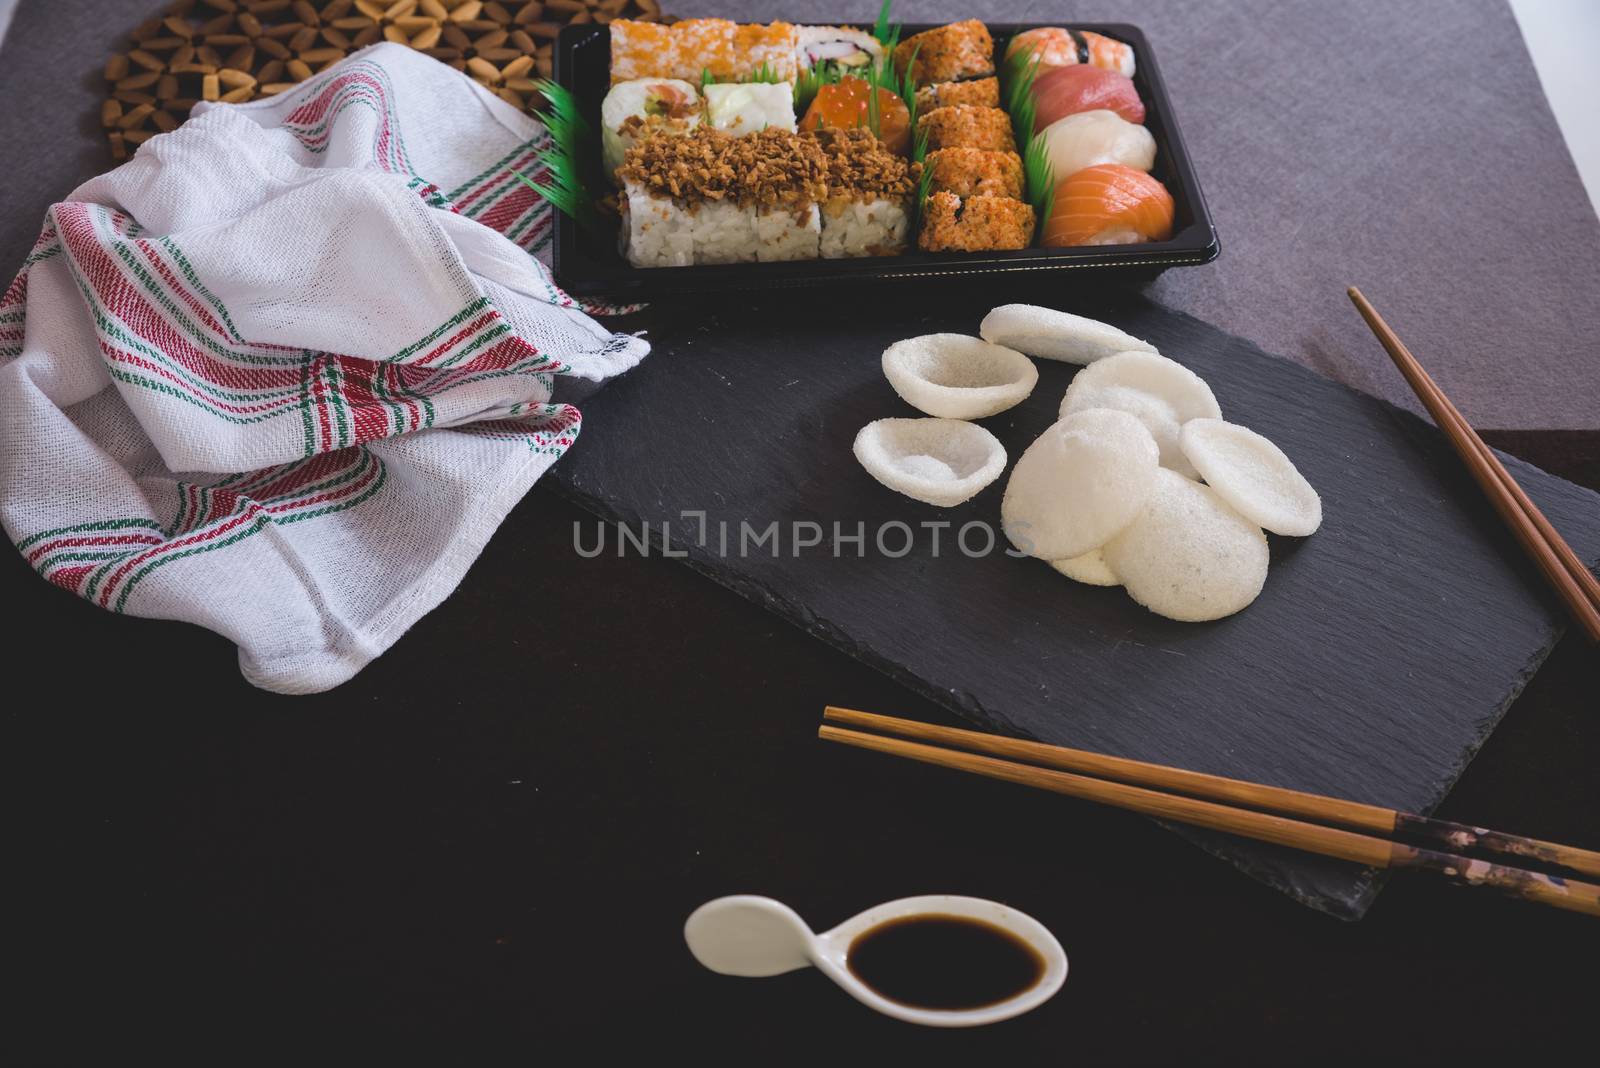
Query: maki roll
(730, 51)
(788, 232)
(976, 172)
(838, 47)
(983, 93)
(724, 231)
(711, 197)
(868, 207)
(749, 107)
(656, 231)
(968, 126)
(643, 107)
(957, 52)
(975, 224)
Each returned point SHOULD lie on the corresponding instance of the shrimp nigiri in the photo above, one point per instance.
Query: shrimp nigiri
(1053, 46)
(1108, 204)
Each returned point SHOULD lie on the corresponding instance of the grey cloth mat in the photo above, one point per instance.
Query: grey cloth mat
(1405, 148)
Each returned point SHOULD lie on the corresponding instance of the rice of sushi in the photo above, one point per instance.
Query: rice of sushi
(863, 227)
(656, 231)
(724, 232)
(749, 107)
(788, 233)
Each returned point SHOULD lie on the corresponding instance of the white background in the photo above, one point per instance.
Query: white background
(1562, 35)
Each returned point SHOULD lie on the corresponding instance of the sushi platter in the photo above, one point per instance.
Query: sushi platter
(729, 157)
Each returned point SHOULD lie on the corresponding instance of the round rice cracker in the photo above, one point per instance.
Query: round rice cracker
(1163, 394)
(1189, 556)
(942, 462)
(1089, 569)
(1082, 481)
(954, 376)
(1056, 335)
(1253, 475)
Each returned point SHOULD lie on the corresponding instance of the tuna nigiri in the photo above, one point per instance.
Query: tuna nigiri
(1108, 205)
(1062, 91)
(1053, 46)
(1092, 137)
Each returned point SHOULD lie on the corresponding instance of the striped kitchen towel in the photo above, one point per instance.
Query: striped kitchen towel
(284, 372)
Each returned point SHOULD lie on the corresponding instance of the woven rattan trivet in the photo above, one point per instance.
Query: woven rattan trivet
(237, 50)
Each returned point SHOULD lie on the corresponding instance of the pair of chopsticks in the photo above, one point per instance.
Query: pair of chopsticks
(1348, 830)
(1574, 582)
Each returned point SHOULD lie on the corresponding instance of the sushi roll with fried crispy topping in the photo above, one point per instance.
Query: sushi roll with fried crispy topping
(867, 211)
(976, 172)
(968, 126)
(983, 93)
(975, 224)
(957, 52)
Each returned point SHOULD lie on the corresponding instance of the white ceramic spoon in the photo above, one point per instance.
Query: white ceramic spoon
(755, 936)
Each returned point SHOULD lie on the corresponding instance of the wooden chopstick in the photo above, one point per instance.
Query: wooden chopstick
(1280, 830)
(1375, 818)
(1264, 827)
(1328, 841)
(1575, 583)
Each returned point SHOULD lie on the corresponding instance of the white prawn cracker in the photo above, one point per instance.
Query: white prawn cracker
(1056, 335)
(954, 376)
(1253, 475)
(1090, 569)
(937, 461)
(1080, 483)
(1189, 556)
(1163, 394)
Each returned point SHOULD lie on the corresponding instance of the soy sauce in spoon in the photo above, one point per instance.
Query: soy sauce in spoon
(938, 961)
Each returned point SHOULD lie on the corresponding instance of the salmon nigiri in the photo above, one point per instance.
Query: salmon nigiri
(1108, 204)
(1053, 46)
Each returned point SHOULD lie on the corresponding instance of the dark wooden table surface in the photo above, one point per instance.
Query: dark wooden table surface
(488, 841)
(491, 837)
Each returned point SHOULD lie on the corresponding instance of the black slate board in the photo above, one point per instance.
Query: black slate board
(1381, 653)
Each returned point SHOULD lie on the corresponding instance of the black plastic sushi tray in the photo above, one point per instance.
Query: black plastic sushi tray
(588, 264)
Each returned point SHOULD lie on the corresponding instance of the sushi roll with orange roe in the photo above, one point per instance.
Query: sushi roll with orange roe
(975, 224)
(968, 126)
(983, 93)
(1108, 204)
(730, 51)
(976, 172)
(953, 53)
